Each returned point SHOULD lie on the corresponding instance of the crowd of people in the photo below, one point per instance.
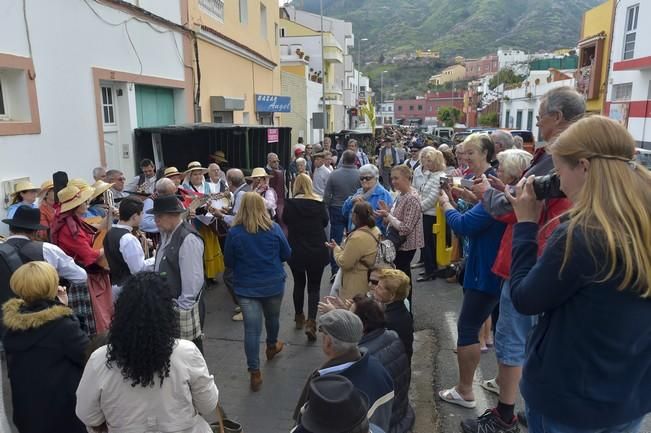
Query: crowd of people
(103, 284)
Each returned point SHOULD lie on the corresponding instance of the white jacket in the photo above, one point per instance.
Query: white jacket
(428, 185)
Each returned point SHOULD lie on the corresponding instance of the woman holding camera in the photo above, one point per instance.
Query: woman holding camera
(590, 288)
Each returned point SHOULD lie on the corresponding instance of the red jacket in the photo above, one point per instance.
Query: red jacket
(75, 238)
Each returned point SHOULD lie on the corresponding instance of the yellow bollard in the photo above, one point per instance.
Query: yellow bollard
(443, 251)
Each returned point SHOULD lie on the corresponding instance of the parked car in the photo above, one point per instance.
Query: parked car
(527, 137)
(444, 132)
(643, 156)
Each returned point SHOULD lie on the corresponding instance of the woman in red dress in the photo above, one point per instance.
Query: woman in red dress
(76, 237)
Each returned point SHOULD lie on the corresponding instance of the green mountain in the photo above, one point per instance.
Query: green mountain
(470, 28)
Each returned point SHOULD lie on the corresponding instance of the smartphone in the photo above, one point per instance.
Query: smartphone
(467, 183)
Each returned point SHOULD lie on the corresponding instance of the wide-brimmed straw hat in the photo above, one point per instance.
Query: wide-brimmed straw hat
(219, 156)
(45, 187)
(70, 197)
(100, 188)
(195, 165)
(259, 172)
(24, 185)
(171, 171)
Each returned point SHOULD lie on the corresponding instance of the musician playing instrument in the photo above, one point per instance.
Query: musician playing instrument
(124, 251)
(76, 237)
(204, 221)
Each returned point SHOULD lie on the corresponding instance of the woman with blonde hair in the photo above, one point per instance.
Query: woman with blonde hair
(590, 287)
(45, 351)
(306, 216)
(427, 181)
(255, 250)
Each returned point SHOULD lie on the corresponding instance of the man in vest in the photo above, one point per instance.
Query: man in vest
(24, 227)
(179, 259)
(123, 250)
(387, 159)
(145, 181)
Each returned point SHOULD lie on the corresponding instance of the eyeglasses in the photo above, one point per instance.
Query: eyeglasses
(366, 178)
(374, 282)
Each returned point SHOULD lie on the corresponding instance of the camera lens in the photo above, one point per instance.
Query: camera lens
(548, 186)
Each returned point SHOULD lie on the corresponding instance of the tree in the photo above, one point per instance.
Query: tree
(506, 76)
(368, 110)
(489, 119)
(448, 116)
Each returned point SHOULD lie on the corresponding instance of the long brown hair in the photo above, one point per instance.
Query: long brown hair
(253, 215)
(614, 201)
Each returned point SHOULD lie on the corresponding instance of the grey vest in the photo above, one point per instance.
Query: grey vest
(169, 267)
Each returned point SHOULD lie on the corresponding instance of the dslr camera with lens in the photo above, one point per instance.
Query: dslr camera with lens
(548, 186)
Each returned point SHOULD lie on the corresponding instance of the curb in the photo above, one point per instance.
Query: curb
(422, 382)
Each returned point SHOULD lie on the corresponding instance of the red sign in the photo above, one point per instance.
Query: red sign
(273, 135)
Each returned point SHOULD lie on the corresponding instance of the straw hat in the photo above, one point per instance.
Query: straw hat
(100, 188)
(219, 156)
(258, 172)
(79, 183)
(70, 197)
(45, 187)
(171, 171)
(24, 185)
(195, 165)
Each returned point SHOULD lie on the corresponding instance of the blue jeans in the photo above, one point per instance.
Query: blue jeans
(337, 225)
(511, 331)
(253, 310)
(539, 423)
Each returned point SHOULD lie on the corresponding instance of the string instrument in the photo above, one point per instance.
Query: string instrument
(107, 222)
(144, 242)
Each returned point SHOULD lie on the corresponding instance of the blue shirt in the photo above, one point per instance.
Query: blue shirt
(484, 236)
(379, 193)
(12, 209)
(257, 260)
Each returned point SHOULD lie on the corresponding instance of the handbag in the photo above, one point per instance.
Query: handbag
(394, 236)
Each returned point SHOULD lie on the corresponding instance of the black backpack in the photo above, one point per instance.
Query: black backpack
(10, 260)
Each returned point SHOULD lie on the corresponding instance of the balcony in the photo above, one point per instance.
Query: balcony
(333, 89)
(332, 51)
(214, 8)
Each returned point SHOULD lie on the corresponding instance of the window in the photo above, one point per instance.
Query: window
(108, 107)
(529, 120)
(399, 107)
(3, 110)
(629, 35)
(411, 108)
(263, 21)
(420, 108)
(282, 32)
(214, 8)
(518, 120)
(244, 11)
(622, 92)
(507, 123)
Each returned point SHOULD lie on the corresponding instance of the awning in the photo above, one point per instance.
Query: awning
(590, 40)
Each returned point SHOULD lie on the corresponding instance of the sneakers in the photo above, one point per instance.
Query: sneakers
(237, 317)
(491, 422)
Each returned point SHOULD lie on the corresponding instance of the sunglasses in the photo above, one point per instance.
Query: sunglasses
(366, 178)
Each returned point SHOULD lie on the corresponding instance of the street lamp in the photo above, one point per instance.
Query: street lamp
(323, 81)
(382, 86)
(359, 64)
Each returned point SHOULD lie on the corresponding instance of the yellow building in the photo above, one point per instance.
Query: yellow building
(239, 57)
(594, 55)
(449, 74)
(295, 37)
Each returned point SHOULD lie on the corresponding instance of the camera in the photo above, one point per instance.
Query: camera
(548, 186)
(444, 181)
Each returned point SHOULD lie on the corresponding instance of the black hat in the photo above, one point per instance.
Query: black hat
(26, 217)
(334, 394)
(166, 204)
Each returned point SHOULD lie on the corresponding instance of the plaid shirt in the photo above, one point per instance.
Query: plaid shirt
(406, 209)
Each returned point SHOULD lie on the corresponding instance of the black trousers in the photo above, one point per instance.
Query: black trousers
(403, 263)
(430, 244)
(314, 274)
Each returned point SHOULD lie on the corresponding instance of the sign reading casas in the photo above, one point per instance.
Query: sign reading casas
(273, 104)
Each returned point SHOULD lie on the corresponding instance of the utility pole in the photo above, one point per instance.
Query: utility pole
(323, 81)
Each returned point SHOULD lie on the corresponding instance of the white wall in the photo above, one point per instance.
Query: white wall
(68, 39)
(313, 106)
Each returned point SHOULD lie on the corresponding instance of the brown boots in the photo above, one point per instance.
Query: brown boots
(256, 380)
(274, 350)
(300, 320)
(310, 330)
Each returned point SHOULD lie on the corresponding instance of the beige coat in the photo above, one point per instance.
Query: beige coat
(356, 258)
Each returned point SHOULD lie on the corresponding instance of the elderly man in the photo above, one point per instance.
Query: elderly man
(145, 181)
(116, 177)
(179, 258)
(558, 109)
(342, 331)
(217, 177)
(99, 173)
(502, 140)
(164, 187)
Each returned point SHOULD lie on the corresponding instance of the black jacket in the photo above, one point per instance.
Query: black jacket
(306, 220)
(399, 320)
(45, 358)
(389, 350)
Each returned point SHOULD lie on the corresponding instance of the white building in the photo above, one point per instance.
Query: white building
(77, 77)
(385, 113)
(521, 106)
(517, 60)
(629, 86)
